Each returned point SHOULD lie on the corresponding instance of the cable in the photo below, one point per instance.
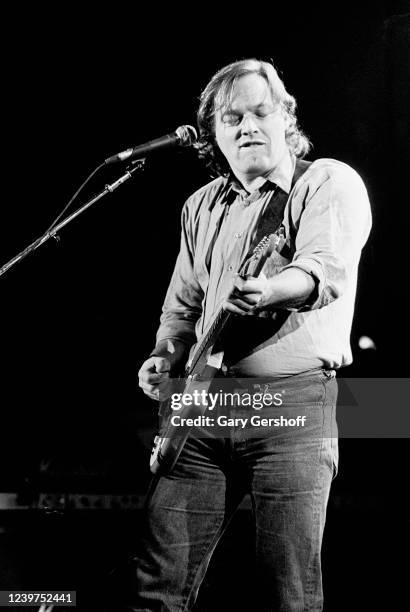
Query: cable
(87, 180)
(31, 247)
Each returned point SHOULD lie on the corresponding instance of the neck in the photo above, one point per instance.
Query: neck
(251, 183)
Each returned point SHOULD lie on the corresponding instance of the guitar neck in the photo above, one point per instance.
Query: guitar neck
(252, 267)
(221, 316)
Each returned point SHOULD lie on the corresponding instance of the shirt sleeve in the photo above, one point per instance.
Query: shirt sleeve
(183, 302)
(331, 231)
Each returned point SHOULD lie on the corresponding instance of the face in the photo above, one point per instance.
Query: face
(251, 131)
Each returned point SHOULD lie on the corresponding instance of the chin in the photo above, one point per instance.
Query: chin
(256, 169)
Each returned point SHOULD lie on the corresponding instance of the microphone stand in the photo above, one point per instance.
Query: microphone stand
(52, 233)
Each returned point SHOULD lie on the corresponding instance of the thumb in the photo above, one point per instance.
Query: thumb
(162, 364)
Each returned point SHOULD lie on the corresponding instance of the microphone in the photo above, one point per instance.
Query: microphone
(183, 136)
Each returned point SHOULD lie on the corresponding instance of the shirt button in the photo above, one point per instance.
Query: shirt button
(238, 235)
(230, 268)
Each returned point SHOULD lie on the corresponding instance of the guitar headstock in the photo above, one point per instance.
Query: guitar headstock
(261, 252)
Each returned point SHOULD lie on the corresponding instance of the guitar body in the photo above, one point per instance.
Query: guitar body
(170, 440)
(201, 369)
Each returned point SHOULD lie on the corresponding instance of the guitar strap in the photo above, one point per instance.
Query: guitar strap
(272, 217)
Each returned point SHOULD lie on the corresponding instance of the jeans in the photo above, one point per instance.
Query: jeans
(287, 472)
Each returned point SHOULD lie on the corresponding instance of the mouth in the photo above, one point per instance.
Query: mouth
(250, 144)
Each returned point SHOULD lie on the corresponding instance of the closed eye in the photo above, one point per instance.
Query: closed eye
(231, 119)
(236, 118)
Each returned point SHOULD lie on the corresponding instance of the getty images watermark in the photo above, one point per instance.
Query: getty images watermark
(189, 402)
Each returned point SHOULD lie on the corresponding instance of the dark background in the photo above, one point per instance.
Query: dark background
(79, 316)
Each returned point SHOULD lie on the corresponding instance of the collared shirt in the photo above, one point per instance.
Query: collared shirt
(326, 220)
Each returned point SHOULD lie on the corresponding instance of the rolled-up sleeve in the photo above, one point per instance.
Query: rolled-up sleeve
(183, 302)
(331, 230)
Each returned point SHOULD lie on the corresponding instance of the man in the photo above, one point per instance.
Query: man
(291, 327)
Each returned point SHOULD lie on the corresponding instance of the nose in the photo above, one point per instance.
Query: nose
(249, 125)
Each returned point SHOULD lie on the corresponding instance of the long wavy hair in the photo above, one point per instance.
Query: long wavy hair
(217, 96)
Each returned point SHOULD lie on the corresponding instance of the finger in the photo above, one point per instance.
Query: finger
(154, 378)
(151, 390)
(151, 394)
(162, 364)
(145, 373)
(239, 282)
(248, 284)
(158, 393)
(258, 306)
(152, 387)
(250, 299)
(247, 298)
(237, 307)
(146, 369)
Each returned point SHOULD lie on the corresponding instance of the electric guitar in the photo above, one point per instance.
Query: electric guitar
(200, 370)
